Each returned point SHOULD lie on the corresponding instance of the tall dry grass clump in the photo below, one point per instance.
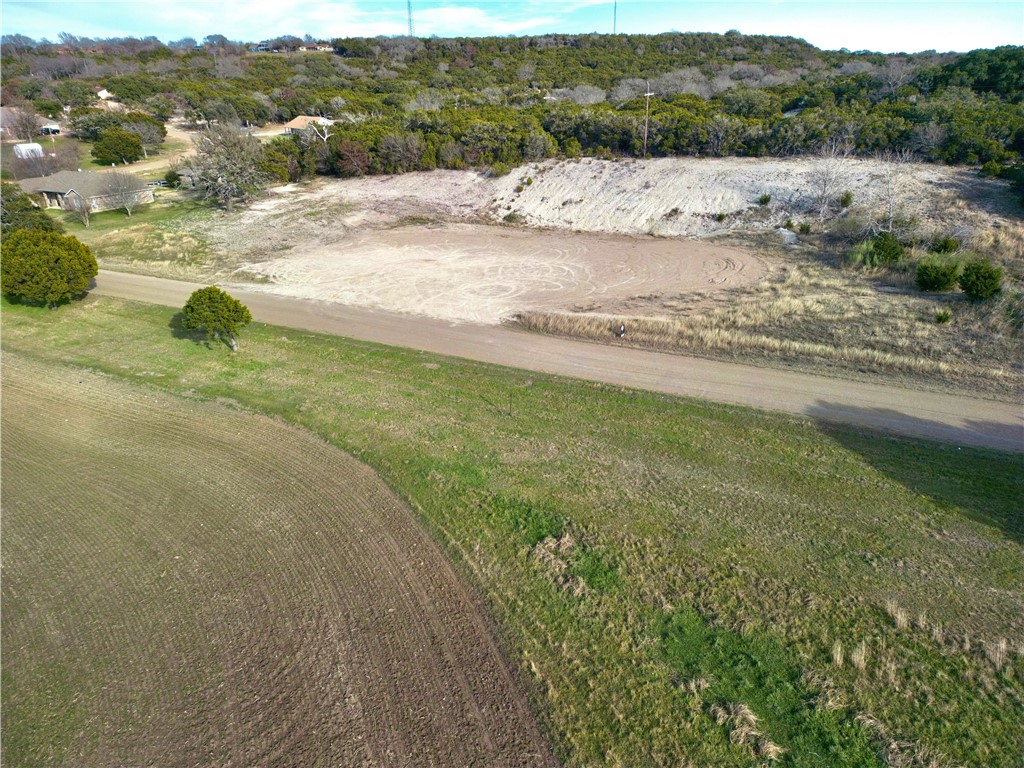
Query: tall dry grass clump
(859, 656)
(899, 616)
(744, 731)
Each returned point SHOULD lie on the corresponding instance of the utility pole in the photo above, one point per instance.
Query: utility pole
(615, 17)
(647, 115)
(408, 4)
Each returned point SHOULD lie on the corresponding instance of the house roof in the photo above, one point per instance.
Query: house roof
(85, 183)
(303, 121)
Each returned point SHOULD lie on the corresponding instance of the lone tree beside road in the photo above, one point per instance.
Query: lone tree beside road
(46, 267)
(217, 314)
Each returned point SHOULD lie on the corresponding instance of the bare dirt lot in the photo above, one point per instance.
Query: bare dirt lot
(600, 234)
(478, 273)
(186, 584)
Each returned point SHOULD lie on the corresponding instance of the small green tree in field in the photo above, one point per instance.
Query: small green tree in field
(937, 274)
(45, 267)
(980, 280)
(117, 146)
(887, 248)
(217, 314)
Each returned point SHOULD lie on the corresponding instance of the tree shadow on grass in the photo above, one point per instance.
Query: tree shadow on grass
(982, 484)
(179, 331)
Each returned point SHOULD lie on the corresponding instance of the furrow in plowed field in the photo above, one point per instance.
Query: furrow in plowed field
(184, 584)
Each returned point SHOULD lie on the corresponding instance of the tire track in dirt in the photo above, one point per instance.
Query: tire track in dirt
(221, 588)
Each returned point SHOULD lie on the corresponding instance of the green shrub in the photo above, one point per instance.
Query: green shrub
(846, 199)
(980, 280)
(861, 255)
(173, 178)
(945, 244)
(529, 180)
(719, 217)
(943, 316)
(991, 168)
(937, 274)
(764, 199)
(805, 228)
(888, 249)
(499, 169)
(520, 187)
(789, 225)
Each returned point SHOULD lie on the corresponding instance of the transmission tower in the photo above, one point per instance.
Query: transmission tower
(412, 32)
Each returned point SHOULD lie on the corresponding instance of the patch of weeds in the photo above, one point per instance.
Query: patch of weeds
(846, 199)
(943, 316)
(755, 669)
(532, 523)
(805, 228)
(513, 218)
(597, 571)
(764, 199)
(719, 217)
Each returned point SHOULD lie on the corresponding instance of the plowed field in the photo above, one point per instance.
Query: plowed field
(186, 584)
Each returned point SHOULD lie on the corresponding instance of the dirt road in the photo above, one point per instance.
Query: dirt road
(933, 415)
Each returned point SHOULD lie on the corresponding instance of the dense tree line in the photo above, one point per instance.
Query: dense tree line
(406, 103)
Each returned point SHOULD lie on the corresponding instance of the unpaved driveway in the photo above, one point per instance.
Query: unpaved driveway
(933, 415)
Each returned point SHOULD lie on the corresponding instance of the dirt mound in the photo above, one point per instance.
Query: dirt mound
(189, 585)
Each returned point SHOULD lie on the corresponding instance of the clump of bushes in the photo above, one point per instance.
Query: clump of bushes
(805, 228)
(499, 169)
(991, 169)
(945, 244)
(887, 248)
(846, 199)
(980, 280)
(764, 199)
(884, 248)
(937, 274)
(789, 225)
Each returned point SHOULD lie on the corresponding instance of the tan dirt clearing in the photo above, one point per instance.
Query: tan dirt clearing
(485, 274)
(185, 584)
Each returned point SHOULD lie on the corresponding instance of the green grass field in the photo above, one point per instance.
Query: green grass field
(682, 582)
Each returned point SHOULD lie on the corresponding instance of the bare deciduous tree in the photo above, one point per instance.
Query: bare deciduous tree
(79, 206)
(894, 164)
(150, 135)
(125, 189)
(827, 175)
(23, 123)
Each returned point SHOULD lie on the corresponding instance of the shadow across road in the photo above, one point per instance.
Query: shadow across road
(943, 463)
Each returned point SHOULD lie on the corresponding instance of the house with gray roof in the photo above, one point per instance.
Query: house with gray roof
(61, 189)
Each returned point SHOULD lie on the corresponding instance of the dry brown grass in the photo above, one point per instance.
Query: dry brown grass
(818, 318)
(859, 656)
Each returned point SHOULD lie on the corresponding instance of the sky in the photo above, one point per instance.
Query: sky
(897, 26)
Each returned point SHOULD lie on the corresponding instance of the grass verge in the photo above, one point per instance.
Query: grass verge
(592, 518)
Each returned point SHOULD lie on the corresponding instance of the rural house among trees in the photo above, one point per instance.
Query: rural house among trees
(97, 189)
